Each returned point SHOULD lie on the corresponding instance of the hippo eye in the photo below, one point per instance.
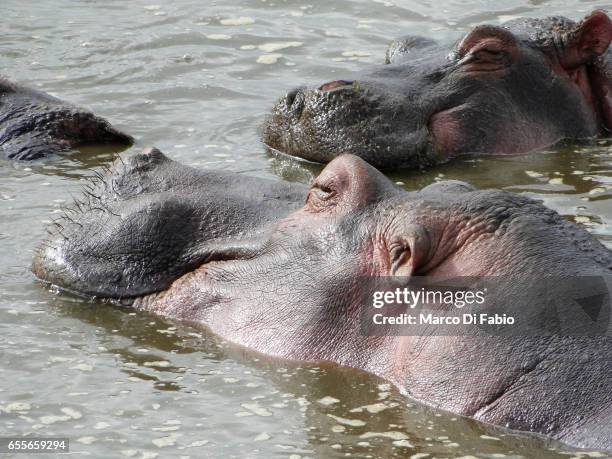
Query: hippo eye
(321, 195)
(323, 192)
(399, 253)
(489, 54)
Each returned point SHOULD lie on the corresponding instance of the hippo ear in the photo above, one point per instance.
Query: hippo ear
(409, 251)
(601, 82)
(590, 40)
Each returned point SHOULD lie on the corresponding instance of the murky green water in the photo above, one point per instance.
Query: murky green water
(195, 79)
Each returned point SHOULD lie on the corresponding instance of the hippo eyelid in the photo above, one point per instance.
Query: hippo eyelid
(398, 252)
(320, 196)
(323, 194)
(496, 58)
(324, 190)
(496, 55)
(469, 57)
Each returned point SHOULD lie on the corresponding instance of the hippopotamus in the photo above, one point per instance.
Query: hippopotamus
(524, 85)
(35, 125)
(279, 268)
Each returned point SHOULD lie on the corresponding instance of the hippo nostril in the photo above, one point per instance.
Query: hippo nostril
(149, 155)
(294, 102)
(334, 85)
(291, 95)
(149, 151)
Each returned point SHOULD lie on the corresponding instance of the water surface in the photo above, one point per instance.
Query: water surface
(195, 79)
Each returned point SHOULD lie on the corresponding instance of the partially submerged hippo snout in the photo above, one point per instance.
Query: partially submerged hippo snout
(35, 125)
(527, 84)
(149, 221)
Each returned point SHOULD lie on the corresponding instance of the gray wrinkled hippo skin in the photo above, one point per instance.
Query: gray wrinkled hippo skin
(279, 268)
(521, 86)
(161, 220)
(36, 125)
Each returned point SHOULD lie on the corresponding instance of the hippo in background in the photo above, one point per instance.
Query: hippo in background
(525, 85)
(36, 125)
(280, 267)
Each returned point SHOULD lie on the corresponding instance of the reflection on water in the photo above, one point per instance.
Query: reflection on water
(196, 79)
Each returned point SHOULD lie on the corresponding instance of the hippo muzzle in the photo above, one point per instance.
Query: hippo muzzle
(152, 220)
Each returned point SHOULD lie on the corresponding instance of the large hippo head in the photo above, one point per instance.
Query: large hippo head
(280, 268)
(524, 85)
